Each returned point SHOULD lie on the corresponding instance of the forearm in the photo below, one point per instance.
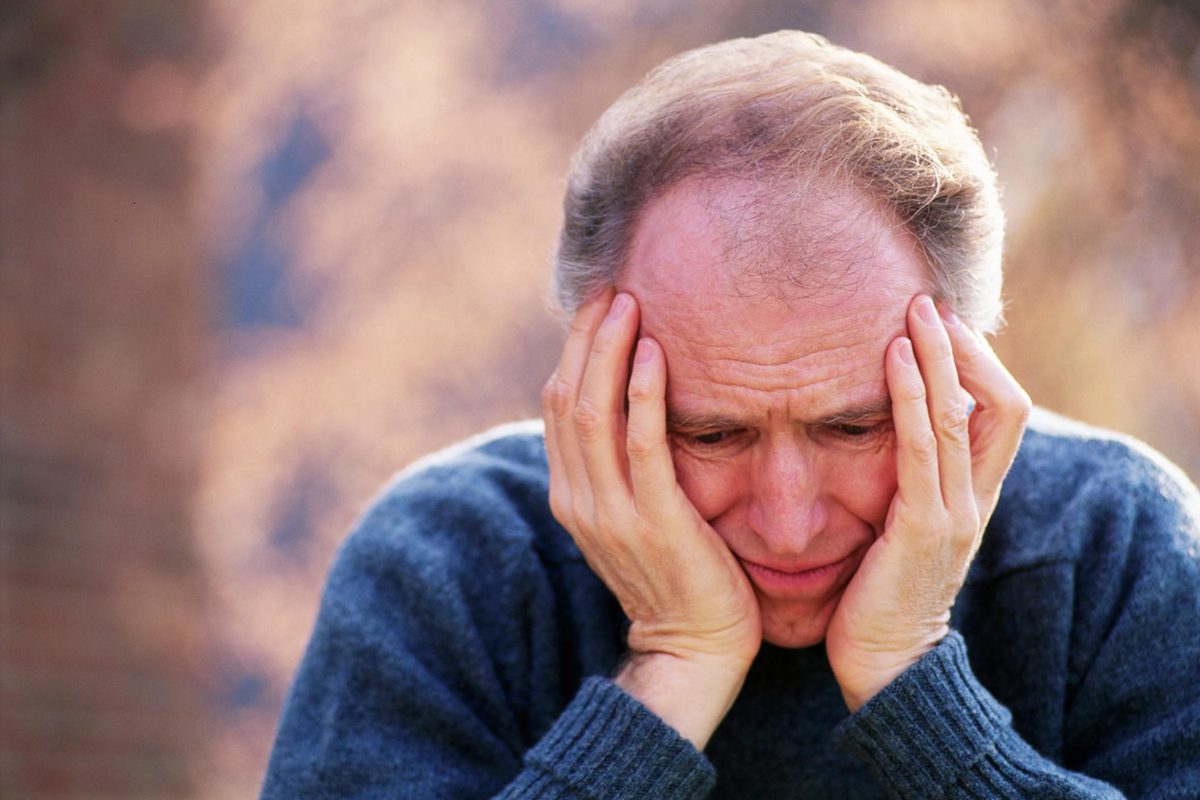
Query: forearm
(605, 744)
(691, 697)
(937, 731)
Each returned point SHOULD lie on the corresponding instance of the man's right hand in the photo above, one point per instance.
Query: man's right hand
(694, 620)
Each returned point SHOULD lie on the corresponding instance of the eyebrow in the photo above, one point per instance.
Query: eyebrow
(859, 413)
(687, 420)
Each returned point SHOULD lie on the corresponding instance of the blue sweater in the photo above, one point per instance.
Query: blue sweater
(463, 649)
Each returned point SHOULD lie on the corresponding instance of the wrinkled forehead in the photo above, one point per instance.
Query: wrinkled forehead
(736, 254)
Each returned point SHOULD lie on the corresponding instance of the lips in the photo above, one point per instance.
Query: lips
(806, 581)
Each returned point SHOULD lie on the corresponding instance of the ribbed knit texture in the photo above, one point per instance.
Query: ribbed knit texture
(464, 649)
(937, 733)
(609, 745)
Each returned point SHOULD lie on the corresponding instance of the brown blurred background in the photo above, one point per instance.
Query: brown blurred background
(257, 254)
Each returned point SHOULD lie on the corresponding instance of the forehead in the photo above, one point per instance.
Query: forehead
(791, 307)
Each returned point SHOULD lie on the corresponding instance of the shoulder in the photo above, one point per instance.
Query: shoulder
(496, 483)
(1074, 489)
(440, 620)
(477, 510)
(1061, 459)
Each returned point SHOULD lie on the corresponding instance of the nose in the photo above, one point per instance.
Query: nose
(788, 510)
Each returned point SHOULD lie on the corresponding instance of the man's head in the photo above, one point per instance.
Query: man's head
(789, 115)
(774, 205)
(778, 410)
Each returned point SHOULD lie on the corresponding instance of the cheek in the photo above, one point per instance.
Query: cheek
(713, 487)
(866, 484)
(861, 483)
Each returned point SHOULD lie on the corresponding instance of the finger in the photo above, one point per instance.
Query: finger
(651, 471)
(560, 486)
(947, 414)
(599, 417)
(578, 345)
(1001, 411)
(559, 396)
(916, 448)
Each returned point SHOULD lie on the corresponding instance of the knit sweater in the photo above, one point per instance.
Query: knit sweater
(464, 649)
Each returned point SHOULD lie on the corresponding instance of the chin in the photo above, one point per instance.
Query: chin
(794, 640)
(794, 630)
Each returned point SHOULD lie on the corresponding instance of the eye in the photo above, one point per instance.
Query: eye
(710, 441)
(855, 431)
(860, 433)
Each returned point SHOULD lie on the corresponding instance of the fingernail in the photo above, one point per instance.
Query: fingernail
(644, 352)
(926, 311)
(947, 314)
(906, 351)
(620, 305)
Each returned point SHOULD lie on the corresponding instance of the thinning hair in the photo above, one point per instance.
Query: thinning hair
(788, 111)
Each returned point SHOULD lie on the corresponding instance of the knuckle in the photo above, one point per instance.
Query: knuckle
(964, 542)
(912, 392)
(1024, 405)
(638, 443)
(589, 422)
(973, 357)
(1017, 404)
(954, 423)
(580, 327)
(923, 446)
(562, 509)
(909, 389)
(964, 522)
(604, 341)
(556, 397)
(638, 389)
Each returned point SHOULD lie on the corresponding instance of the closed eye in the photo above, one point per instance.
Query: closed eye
(710, 440)
(860, 432)
(855, 431)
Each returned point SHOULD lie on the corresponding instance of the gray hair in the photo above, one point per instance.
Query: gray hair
(785, 108)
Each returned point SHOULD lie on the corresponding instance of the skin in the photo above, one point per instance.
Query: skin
(808, 471)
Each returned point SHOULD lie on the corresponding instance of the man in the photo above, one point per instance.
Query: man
(747, 557)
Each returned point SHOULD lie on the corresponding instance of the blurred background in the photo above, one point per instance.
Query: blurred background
(256, 255)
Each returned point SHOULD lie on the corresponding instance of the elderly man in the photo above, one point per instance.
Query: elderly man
(784, 532)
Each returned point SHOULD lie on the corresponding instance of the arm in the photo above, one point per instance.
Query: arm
(1129, 707)
(396, 695)
(950, 464)
(613, 488)
(432, 670)
(937, 732)
(923, 723)
(1133, 720)
(694, 623)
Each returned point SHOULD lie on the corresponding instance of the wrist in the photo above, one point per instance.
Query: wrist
(859, 685)
(858, 697)
(690, 695)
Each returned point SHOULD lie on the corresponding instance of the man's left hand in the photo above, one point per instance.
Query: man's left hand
(950, 463)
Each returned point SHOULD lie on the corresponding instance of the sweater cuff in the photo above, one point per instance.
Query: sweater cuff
(929, 727)
(607, 744)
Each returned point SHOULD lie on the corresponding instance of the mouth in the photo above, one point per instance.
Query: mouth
(798, 583)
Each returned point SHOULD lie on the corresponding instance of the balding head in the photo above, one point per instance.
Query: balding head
(788, 115)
